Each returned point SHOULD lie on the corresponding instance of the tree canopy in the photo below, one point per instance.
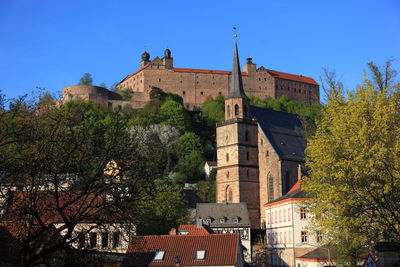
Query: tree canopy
(354, 162)
(86, 79)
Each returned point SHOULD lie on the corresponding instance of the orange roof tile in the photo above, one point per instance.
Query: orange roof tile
(193, 230)
(206, 71)
(142, 68)
(293, 77)
(221, 249)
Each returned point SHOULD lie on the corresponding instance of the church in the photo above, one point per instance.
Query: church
(260, 152)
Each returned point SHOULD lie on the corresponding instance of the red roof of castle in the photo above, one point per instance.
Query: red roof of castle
(293, 77)
(220, 249)
(206, 71)
(142, 68)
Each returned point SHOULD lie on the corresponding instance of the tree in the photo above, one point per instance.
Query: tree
(57, 158)
(86, 79)
(161, 209)
(174, 114)
(354, 162)
(214, 109)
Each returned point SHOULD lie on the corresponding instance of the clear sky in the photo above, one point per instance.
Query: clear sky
(50, 43)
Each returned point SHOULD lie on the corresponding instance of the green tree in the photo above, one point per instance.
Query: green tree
(161, 210)
(354, 167)
(214, 109)
(174, 114)
(86, 79)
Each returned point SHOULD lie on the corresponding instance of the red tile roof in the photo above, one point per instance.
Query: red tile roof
(221, 249)
(193, 230)
(212, 163)
(142, 68)
(75, 204)
(295, 187)
(206, 71)
(292, 77)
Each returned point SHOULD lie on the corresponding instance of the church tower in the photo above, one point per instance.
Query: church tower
(237, 152)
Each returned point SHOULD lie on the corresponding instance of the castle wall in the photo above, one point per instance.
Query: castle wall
(194, 86)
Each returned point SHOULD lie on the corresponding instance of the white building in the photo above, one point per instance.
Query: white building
(289, 241)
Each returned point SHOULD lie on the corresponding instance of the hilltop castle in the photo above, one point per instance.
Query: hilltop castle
(260, 152)
(195, 85)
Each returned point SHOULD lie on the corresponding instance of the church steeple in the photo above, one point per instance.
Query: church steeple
(237, 105)
(236, 90)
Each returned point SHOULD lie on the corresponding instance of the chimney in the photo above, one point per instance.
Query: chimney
(199, 223)
(172, 231)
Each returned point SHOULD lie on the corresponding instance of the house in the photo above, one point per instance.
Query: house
(185, 250)
(289, 240)
(227, 218)
(100, 227)
(208, 167)
(260, 152)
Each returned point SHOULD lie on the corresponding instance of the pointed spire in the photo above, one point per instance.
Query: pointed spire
(236, 90)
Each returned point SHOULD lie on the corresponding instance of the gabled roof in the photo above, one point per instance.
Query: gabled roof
(294, 193)
(220, 249)
(283, 132)
(229, 211)
(130, 75)
(292, 77)
(192, 229)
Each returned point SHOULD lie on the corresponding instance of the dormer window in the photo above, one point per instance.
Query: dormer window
(222, 220)
(236, 220)
(159, 256)
(200, 255)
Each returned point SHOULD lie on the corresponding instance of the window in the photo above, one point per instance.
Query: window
(245, 110)
(227, 157)
(303, 214)
(248, 155)
(288, 215)
(280, 216)
(268, 218)
(320, 236)
(219, 93)
(236, 110)
(228, 109)
(247, 173)
(276, 217)
(230, 195)
(115, 240)
(227, 174)
(270, 188)
(159, 80)
(284, 237)
(104, 240)
(304, 237)
(236, 220)
(159, 256)
(202, 93)
(200, 255)
(93, 240)
(81, 240)
(280, 238)
(287, 182)
(284, 215)
(267, 153)
(183, 93)
(222, 220)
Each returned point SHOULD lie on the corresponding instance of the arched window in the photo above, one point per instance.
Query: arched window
(287, 182)
(270, 187)
(228, 110)
(236, 110)
(228, 194)
(227, 174)
(227, 157)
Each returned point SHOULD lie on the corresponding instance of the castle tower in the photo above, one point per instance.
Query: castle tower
(145, 59)
(167, 60)
(237, 152)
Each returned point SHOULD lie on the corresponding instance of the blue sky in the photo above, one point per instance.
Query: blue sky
(50, 44)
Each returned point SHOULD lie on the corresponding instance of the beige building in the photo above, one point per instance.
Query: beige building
(260, 152)
(195, 85)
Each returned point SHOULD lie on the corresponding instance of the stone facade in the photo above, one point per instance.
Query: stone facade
(195, 85)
